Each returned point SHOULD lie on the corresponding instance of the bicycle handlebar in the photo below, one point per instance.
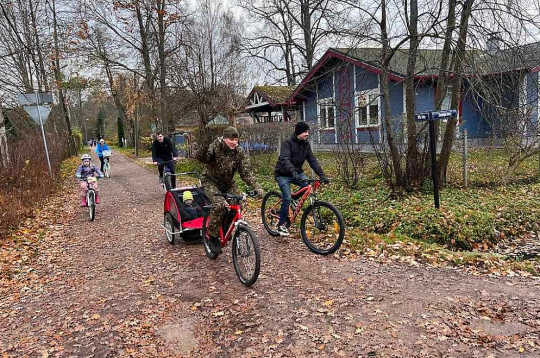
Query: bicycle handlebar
(311, 181)
(165, 162)
(243, 196)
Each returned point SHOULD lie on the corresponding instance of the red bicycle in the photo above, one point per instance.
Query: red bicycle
(322, 225)
(245, 246)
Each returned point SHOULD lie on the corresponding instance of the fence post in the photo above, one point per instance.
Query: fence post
(279, 145)
(465, 144)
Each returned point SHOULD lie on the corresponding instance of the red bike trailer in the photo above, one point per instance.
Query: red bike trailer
(175, 227)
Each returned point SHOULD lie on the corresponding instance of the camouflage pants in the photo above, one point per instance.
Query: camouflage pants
(219, 205)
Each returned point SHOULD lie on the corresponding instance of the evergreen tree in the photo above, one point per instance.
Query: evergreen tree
(99, 129)
(120, 132)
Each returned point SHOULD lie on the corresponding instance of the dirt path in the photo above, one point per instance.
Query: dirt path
(116, 288)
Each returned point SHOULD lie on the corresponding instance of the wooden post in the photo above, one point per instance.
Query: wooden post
(136, 135)
(465, 145)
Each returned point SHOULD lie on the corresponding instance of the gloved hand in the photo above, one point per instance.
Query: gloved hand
(324, 179)
(259, 193)
(79, 176)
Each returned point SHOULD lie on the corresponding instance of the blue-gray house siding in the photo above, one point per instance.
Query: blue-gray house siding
(342, 81)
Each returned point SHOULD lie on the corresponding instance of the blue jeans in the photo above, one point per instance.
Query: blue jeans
(285, 187)
(170, 167)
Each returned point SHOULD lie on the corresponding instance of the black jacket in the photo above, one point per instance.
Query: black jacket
(190, 212)
(293, 154)
(164, 151)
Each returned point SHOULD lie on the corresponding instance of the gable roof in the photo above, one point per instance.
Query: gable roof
(428, 62)
(275, 95)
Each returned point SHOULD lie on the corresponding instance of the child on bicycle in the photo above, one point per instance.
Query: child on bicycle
(99, 151)
(190, 210)
(85, 170)
(294, 152)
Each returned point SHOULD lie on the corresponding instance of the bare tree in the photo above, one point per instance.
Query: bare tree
(208, 67)
(286, 34)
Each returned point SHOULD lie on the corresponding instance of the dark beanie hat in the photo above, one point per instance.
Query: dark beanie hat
(230, 132)
(300, 128)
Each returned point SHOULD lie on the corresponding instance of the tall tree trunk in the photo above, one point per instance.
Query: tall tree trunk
(58, 78)
(149, 74)
(449, 134)
(394, 150)
(441, 89)
(4, 154)
(41, 73)
(305, 9)
(168, 121)
(413, 157)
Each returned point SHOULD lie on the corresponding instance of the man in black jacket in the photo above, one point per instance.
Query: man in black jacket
(294, 152)
(163, 155)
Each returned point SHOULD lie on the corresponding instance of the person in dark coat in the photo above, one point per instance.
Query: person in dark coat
(163, 155)
(294, 152)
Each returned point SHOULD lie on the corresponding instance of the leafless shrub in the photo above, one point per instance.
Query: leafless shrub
(24, 182)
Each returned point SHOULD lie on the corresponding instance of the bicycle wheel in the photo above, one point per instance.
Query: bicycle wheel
(207, 250)
(107, 169)
(169, 228)
(322, 228)
(91, 201)
(246, 256)
(270, 212)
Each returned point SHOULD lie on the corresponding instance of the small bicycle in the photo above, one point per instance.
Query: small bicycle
(106, 163)
(245, 246)
(91, 196)
(322, 225)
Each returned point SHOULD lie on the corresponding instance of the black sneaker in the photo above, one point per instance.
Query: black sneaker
(214, 245)
(282, 230)
(161, 180)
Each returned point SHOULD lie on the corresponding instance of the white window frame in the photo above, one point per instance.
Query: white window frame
(326, 103)
(368, 93)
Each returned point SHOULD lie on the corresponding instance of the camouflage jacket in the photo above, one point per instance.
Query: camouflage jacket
(222, 163)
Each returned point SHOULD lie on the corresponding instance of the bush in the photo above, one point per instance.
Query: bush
(24, 182)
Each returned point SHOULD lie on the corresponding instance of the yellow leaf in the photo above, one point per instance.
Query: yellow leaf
(328, 303)
(96, 316)
(219, 314)
(238, 332)
(521, 350)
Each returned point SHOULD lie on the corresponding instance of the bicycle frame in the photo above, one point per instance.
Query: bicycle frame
(309, 192)
(224, 238)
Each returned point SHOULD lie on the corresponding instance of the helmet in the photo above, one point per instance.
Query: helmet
(86, 157)
(187, 195)
(102, 140)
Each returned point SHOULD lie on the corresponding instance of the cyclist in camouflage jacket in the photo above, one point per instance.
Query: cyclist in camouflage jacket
(223, 159)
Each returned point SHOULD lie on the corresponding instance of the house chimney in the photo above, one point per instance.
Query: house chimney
(493, 43)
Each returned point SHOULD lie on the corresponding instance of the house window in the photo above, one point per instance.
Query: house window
(327, 113)
(367, 109)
